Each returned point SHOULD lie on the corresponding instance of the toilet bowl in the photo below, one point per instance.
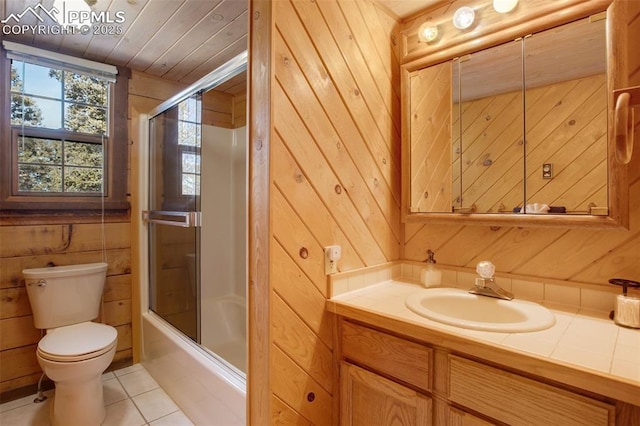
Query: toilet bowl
(75, 351)
(75, 357)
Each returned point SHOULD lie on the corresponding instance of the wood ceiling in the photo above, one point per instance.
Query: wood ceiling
(179, 40)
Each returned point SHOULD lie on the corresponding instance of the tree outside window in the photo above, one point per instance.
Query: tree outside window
(68, 159)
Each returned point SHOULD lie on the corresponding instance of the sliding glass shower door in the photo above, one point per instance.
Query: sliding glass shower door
(197, 213)
(174, 215)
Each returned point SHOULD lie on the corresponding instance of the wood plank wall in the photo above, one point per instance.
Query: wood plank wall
(335, 179)
(577, 255)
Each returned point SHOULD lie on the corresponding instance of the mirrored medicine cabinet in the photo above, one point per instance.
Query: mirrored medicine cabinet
(518, 133)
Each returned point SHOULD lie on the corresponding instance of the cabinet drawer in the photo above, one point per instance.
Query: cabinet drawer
(517, 400)
(404, 360)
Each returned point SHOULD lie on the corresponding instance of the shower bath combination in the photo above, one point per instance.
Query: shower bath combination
(195, 229)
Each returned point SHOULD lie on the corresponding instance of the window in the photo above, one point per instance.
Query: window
(68, 161)
(66, 147)
(189, 139)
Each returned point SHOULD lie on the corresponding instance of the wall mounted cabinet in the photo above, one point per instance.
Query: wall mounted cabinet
(526, 123)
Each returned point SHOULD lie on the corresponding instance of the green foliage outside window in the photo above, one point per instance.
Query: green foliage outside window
(59, 100)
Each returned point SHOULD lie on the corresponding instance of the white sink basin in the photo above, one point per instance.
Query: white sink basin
(459, 308)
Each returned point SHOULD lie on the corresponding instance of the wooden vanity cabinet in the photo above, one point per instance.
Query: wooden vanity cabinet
(388, 379)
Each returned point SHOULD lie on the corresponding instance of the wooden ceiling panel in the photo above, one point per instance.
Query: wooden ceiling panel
(179, 40)
(235, 85)
(151, 21)
(101, 46)
(184, 50)
(180, 23)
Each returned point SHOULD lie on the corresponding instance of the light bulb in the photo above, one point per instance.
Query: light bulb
(504, 6)
(463, 18)
(428, 33)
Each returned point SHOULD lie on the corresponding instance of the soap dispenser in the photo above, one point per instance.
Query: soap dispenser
(430, 276)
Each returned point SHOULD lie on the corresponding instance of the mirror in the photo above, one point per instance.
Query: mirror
(517, 128)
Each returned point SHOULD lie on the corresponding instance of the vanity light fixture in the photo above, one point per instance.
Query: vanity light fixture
(428, 32)
(464, 17)
(504, 6)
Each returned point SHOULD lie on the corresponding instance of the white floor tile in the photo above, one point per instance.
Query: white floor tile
(113, 391)
(137, 382)
(123, 413)
(154, 404)
(174, 419)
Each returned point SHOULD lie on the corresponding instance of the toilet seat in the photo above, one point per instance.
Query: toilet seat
(77, 342)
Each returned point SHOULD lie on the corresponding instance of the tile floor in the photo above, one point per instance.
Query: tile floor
(131, 396)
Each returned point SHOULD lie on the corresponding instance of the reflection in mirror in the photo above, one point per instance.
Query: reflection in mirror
(566, 104)
(491, 126)
(456, 150)
(431, 152)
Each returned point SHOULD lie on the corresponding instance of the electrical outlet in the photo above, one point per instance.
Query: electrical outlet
(331, 256)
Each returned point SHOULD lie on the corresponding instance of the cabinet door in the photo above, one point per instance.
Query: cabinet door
(368, 399)
(461, 418)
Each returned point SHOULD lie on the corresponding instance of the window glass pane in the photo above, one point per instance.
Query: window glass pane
(84, 89)
(190, 162)
(17, 76)
(82, 154)
(82, 179)
(41, 81)
(39, 178)
(190, 184)
(188, 133)
(38, 150)
(189, 110)
(25, 105)
(85, 119)
(51, 113)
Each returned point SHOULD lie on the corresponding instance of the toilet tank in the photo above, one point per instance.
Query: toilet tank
(65, 295)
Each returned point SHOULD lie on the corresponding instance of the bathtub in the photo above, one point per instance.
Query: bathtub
(203, 387)
(224, 329)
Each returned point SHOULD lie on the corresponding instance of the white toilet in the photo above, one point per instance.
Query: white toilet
(75, 351)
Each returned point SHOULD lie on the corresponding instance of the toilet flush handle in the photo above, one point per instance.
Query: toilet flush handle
(40, 283)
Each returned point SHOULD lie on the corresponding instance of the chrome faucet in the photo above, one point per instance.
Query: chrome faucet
(485, 285)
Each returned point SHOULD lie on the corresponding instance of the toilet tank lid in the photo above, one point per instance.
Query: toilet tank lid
(64, 271)
(78, 339)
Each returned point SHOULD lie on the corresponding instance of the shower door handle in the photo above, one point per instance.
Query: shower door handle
(181, 219)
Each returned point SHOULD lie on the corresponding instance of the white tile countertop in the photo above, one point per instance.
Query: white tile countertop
(586, 339)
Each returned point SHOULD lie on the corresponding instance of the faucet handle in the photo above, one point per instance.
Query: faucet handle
(485, 269)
